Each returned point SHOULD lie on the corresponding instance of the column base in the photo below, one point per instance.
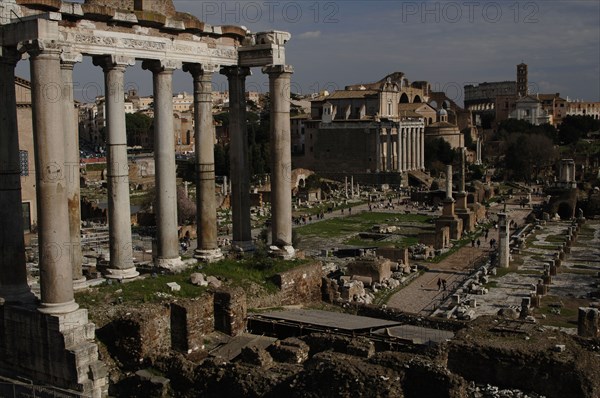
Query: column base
(243, 246)
(208, 256)
(170, 264)
(79, 284)
(57, 309)
(17, 294)
(285, 252)
(117, 273)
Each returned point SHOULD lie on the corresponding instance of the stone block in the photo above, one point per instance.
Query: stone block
(588, 322)
(300, 285)
(230, 309)
(191, 320)
(290, 350)
(376, 268)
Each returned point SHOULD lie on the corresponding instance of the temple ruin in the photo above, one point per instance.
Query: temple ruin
(58, 348)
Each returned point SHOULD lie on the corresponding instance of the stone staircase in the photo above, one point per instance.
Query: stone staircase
(422, 177)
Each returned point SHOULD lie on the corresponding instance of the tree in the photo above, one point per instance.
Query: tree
(186, 208)
(525, 155)
(137, 125)
(438, 152)
(575, 127)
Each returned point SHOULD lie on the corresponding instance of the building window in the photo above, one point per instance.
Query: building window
(24, 161)
(26, 216)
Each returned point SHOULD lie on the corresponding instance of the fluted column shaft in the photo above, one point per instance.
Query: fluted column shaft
(206, 214)
(72, 164)
(399, 146)
(238, 158)
(167, 240)
(13, 271)
(56, 271)
(281, 155)
(377, 150)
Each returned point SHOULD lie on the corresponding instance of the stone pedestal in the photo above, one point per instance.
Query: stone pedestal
(57, 350)
(206, 215)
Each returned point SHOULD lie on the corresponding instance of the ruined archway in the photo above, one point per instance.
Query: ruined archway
(417, 99)
(404, 99)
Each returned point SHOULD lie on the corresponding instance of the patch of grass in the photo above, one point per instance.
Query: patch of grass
(555, 238)
(341, 226)
(257, 269)
(140, 291)
(95, 166)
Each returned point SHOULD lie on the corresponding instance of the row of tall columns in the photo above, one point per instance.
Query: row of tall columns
(13, 271)
(404, 152)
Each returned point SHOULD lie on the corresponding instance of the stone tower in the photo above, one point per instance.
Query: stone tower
(522, 80)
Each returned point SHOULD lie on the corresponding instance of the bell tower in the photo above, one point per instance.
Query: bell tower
(522, 80)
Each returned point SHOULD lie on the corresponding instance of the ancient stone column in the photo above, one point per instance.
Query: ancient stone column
(119, 211)
(206, 205)
(461, 196)
(239, 168)
(449, 181)
(352, 186)
(388, 145)
(281, 157)
(167, 240)
(411, 149)
(404, 149)
(67, 63)
(400, 157)
(56, 271)
(377, 150)
(503, 241)
(13, 271)
(422, 148)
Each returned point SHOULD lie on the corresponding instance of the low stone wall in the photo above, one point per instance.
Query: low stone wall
(300, 285)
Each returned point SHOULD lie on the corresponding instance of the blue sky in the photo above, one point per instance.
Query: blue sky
(448, 43)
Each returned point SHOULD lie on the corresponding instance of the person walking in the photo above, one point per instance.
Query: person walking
(478, 243)
(439, 283)
(444, 284)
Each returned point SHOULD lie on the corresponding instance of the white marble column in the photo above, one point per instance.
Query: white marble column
(167, 247)
(119, 209)
(411, 148)
(399, 145)
(239, 168)
(503, 241)
(67, 63)
(281, 157)
(13, 271)
(388, 147)
(206, 205)
(56, 271)
(377, 150)
(422, 149)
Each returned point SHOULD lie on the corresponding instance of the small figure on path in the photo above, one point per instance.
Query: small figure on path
(472, 242)
(439, 283)
(478, 243)
(444, 283)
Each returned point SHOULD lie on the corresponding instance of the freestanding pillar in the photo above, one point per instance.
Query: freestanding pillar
(422, 166)
(67, 63)
(13, 271)
(167, 255)
(119, 210)
(503, 241)
(56, 271)
(238, 158)
(400, 157)
(206, 214)
(281, 157)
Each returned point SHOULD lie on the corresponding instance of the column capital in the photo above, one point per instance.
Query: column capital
(278, 69)
(162, 65)
(108, 62)
(9, 55)
(235, 71)
(201, 69)
(70, 58)
(37, 47)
